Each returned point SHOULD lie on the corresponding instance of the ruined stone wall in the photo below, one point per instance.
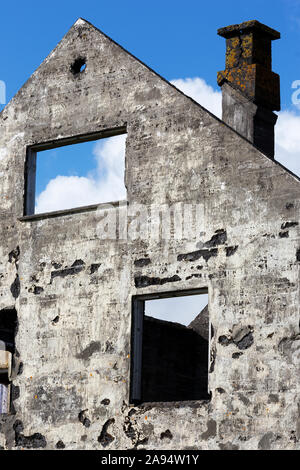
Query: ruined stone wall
(175, 362)
(73, 290)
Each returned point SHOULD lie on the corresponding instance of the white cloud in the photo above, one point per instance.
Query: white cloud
(106, 183)
(287, 135)
(201, 92)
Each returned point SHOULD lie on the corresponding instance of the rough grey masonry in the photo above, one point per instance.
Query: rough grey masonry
(72, 291)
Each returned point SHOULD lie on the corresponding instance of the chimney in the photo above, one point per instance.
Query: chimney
(250, 90)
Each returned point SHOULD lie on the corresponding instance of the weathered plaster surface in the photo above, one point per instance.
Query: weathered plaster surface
(72, 367)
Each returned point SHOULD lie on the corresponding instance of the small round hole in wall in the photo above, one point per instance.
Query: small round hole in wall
(78, 66)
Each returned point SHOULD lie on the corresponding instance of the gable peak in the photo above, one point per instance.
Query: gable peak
(81, 21)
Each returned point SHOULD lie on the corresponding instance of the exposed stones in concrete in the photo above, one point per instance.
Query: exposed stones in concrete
(35, 441)
(15, 288)
(105, 438)
(220, 238)
(94, 267)
(238, 333)
(60, 445)
(212, 360)
(132, 431)
(244, 399)
(266, 441)
(194, 276)
(211, 430)
(105, 402)
(236, 355)
(109, 348)
(289, 225)
(284, 235)
(76, 268)
(246, 342)
(14, 255)
(195, 255)
(56, 402)
(56, 265)
(145, 281)
(224, 340)
(92, 348)
(228, 446)
(241, 337)
(217, 275)
(273, 398)
(290, 348)
(231, 250)
(140, 263)
(166, 435)
(37, 290)
(82, 416)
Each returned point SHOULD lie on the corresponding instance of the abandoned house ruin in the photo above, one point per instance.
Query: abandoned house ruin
(83, 365)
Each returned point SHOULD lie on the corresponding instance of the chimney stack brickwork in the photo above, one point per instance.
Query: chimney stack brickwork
(251, 91)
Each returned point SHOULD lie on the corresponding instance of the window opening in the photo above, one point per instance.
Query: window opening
(75, 172)
(170, 347)
(8, 329)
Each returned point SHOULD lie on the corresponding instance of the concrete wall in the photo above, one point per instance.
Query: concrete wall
(72, 361)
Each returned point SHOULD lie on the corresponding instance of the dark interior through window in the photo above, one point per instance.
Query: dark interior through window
(8, 330)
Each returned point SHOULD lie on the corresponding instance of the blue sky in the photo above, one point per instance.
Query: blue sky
(177, 39)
